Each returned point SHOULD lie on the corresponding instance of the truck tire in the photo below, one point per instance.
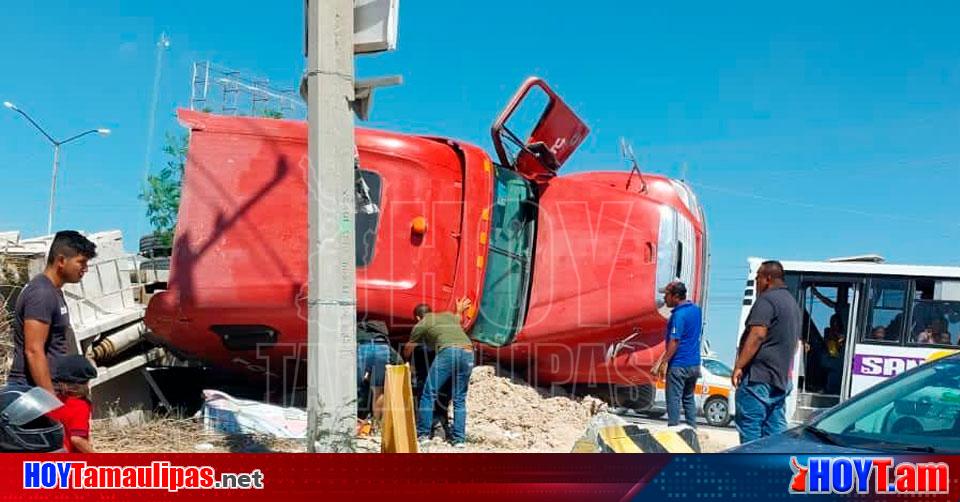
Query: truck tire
(639, 398)
(152, 245)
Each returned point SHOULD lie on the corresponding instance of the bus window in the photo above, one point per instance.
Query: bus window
(885, 311)
(936, 313)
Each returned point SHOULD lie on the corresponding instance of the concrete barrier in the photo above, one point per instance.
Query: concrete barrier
(611, 434)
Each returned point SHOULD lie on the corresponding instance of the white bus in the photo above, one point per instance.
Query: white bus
(864, 321)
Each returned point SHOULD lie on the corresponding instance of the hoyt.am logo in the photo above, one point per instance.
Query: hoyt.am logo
(878, 475)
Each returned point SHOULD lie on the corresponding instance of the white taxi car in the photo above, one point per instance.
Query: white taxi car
(714, 394)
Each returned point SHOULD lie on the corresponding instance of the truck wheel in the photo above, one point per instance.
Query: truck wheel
(152, 245)
(636, 397)
(717, 411)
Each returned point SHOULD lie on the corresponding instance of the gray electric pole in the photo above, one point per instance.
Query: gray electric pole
(331, 336)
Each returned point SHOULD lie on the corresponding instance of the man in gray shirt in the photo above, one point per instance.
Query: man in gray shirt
(765, 356)
(41, 320)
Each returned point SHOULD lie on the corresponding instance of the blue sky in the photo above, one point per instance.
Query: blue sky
(809, 131)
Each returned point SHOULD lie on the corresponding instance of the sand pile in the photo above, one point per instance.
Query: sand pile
(510, 415)
(504, 415)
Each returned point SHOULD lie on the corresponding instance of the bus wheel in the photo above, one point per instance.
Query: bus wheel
(717, 411)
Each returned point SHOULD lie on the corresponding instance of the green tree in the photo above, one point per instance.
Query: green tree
(270, 114)
(162, 191)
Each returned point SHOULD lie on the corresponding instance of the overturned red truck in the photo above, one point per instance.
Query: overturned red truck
(563, 270)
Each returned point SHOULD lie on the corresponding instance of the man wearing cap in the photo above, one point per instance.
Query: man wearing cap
(680, 363)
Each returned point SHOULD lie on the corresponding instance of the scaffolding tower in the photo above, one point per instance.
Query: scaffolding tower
(216, 88)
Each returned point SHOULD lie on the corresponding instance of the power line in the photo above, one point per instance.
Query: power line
(821, 207)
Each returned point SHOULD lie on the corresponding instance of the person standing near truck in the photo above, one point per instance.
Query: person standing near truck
(41, 320)
(680, 364)
(765, 356)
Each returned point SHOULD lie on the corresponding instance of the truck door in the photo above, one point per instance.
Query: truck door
(537, 132)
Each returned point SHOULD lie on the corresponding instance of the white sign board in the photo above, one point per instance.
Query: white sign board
(375, 25)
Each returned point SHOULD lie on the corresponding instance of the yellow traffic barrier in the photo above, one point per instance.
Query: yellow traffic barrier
(673, 442)
(399, 428)
(636, 439)
(615, 438)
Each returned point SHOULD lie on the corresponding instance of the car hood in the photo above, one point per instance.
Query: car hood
(794, 441)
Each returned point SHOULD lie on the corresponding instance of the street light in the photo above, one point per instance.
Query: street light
(56, 154)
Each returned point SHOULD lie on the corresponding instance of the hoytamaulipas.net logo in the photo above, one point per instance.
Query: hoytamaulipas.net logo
(156, 476)
(877, 475)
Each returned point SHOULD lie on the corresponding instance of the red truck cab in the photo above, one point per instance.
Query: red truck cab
(563, 269)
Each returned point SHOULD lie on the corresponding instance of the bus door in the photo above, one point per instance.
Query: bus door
(829, 308)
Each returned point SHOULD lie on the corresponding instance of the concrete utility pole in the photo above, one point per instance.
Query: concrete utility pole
(331, 336)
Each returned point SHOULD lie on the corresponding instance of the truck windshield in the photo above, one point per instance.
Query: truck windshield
(509, 260)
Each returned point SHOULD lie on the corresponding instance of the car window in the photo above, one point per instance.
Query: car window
(918, 410)
(717, 368)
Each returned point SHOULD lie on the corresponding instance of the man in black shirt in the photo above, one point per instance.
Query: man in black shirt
(41, 321)
(765, 356)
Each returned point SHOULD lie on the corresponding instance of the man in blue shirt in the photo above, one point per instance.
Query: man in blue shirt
(680, 364)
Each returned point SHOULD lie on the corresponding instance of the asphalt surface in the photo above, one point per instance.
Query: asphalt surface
(712, 439)
(633, 418)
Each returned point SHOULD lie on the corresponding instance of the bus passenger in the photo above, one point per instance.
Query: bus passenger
(879, 334)
(935, 333)
(831, 359)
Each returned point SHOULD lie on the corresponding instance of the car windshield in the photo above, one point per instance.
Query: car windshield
(717, 368)
(507, 280)
(919, 411)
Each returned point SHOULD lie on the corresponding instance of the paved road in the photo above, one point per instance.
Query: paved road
(634, 418)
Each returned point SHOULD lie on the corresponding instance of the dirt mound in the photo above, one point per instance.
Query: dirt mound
(504, 414)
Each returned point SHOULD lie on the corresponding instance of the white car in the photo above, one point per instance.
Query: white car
(714, 394)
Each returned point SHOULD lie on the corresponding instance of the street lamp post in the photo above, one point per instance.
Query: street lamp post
(56, 154)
